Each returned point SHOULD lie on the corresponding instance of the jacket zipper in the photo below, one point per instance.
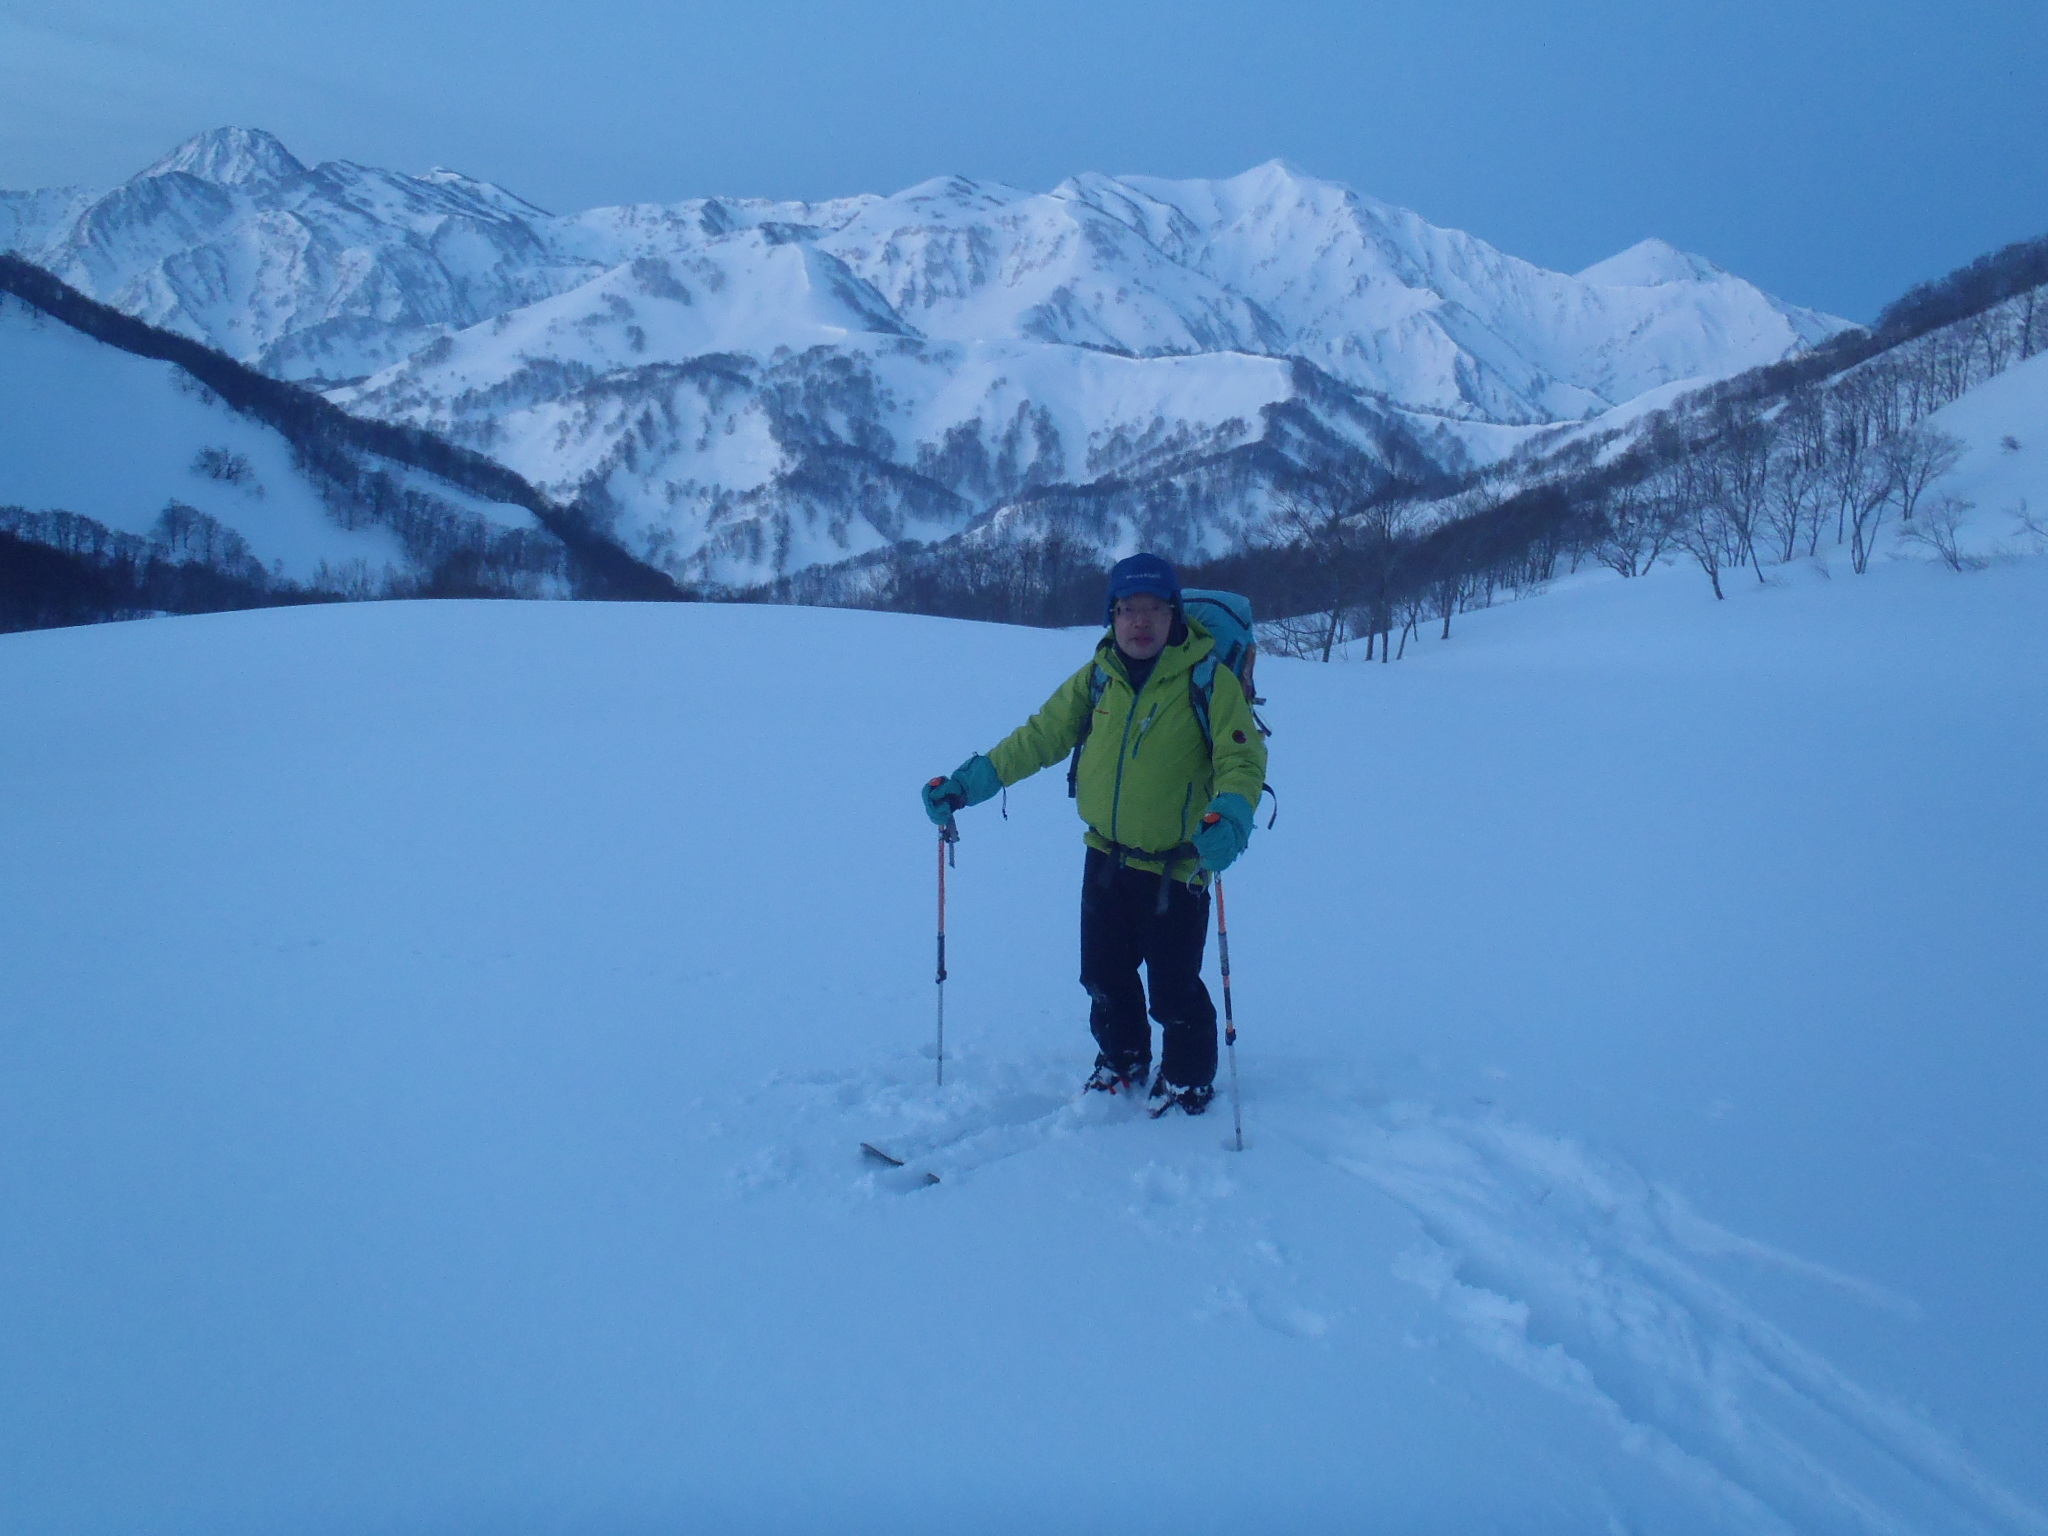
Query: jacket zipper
(1124, 754)
(1143, 726)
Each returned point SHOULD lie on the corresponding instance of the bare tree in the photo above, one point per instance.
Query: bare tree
(1305, 636)
(1412, 612)
(1797, 486)
(1939, 528)
(1314, 519)
(1949, 357)
(1380, 529)
(1636, 529)
(2033, 528)
(1742, 464)
(1448, 591)
(1868, 494)
(1851, 450)
(1914, 459)
(1995, 339)
(1699, 524)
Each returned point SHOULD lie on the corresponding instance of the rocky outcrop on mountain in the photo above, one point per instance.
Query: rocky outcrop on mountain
(745, 388)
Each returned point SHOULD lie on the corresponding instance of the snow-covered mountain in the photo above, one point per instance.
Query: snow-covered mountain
(99, 446)
(230, 240)
(747, 387)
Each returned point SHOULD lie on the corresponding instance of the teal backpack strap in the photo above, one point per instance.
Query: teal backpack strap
(1201, 689)
(1098, 685)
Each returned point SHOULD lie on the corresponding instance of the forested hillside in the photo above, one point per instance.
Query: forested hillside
(146, 473)
(1862, 445)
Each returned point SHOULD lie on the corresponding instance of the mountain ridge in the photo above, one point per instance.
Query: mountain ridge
(1134, 310)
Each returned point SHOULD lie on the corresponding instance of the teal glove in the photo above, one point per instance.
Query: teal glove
(1225, 829)
(942, 797)
(971, 783)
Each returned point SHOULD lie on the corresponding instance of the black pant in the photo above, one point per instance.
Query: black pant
(1122, 927)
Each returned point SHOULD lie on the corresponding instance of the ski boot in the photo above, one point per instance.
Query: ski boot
(1189, 1101)
(1108, 1078)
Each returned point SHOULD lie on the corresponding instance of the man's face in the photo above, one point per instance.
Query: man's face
(1142, 624)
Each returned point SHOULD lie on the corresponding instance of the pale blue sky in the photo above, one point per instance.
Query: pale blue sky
(1834, 152)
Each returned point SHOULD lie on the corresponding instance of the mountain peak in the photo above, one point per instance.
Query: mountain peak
(231, 157)
(1274, 176)
(486, 191)
(1650, 264)
(1280, 168)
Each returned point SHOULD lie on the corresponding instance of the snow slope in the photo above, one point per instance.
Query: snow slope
(91, 429)
(88, 428)
(439, 1034)
(2003, 426)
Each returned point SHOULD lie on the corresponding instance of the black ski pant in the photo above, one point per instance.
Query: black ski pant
(1123, 926)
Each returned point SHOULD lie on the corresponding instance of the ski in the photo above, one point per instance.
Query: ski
(869, 1149)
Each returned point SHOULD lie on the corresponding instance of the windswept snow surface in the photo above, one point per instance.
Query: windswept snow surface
(438, 1037)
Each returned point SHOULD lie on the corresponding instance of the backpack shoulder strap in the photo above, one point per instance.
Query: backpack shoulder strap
(1201, 689)
(1098, 685)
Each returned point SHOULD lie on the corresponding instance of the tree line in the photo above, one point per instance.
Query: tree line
(58, 568)
(1765, 468)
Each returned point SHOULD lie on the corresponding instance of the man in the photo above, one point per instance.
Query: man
(1167, 806)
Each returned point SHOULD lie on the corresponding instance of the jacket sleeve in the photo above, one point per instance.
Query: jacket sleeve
(1239, 753)
(1048, 735)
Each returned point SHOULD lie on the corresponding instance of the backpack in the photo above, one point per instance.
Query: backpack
(1228, 619)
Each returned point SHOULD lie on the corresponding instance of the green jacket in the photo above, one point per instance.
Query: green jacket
(1146, 774)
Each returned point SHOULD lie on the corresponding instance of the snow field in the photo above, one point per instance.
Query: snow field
(440, 1035)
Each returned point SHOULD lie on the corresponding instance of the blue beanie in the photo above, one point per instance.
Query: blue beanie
(1141, 573)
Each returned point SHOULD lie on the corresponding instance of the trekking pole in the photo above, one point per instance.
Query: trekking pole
(949, 838)
(1229, 1019)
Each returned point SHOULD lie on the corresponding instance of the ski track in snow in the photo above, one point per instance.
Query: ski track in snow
(1564, 1265)
(1578, 1273)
